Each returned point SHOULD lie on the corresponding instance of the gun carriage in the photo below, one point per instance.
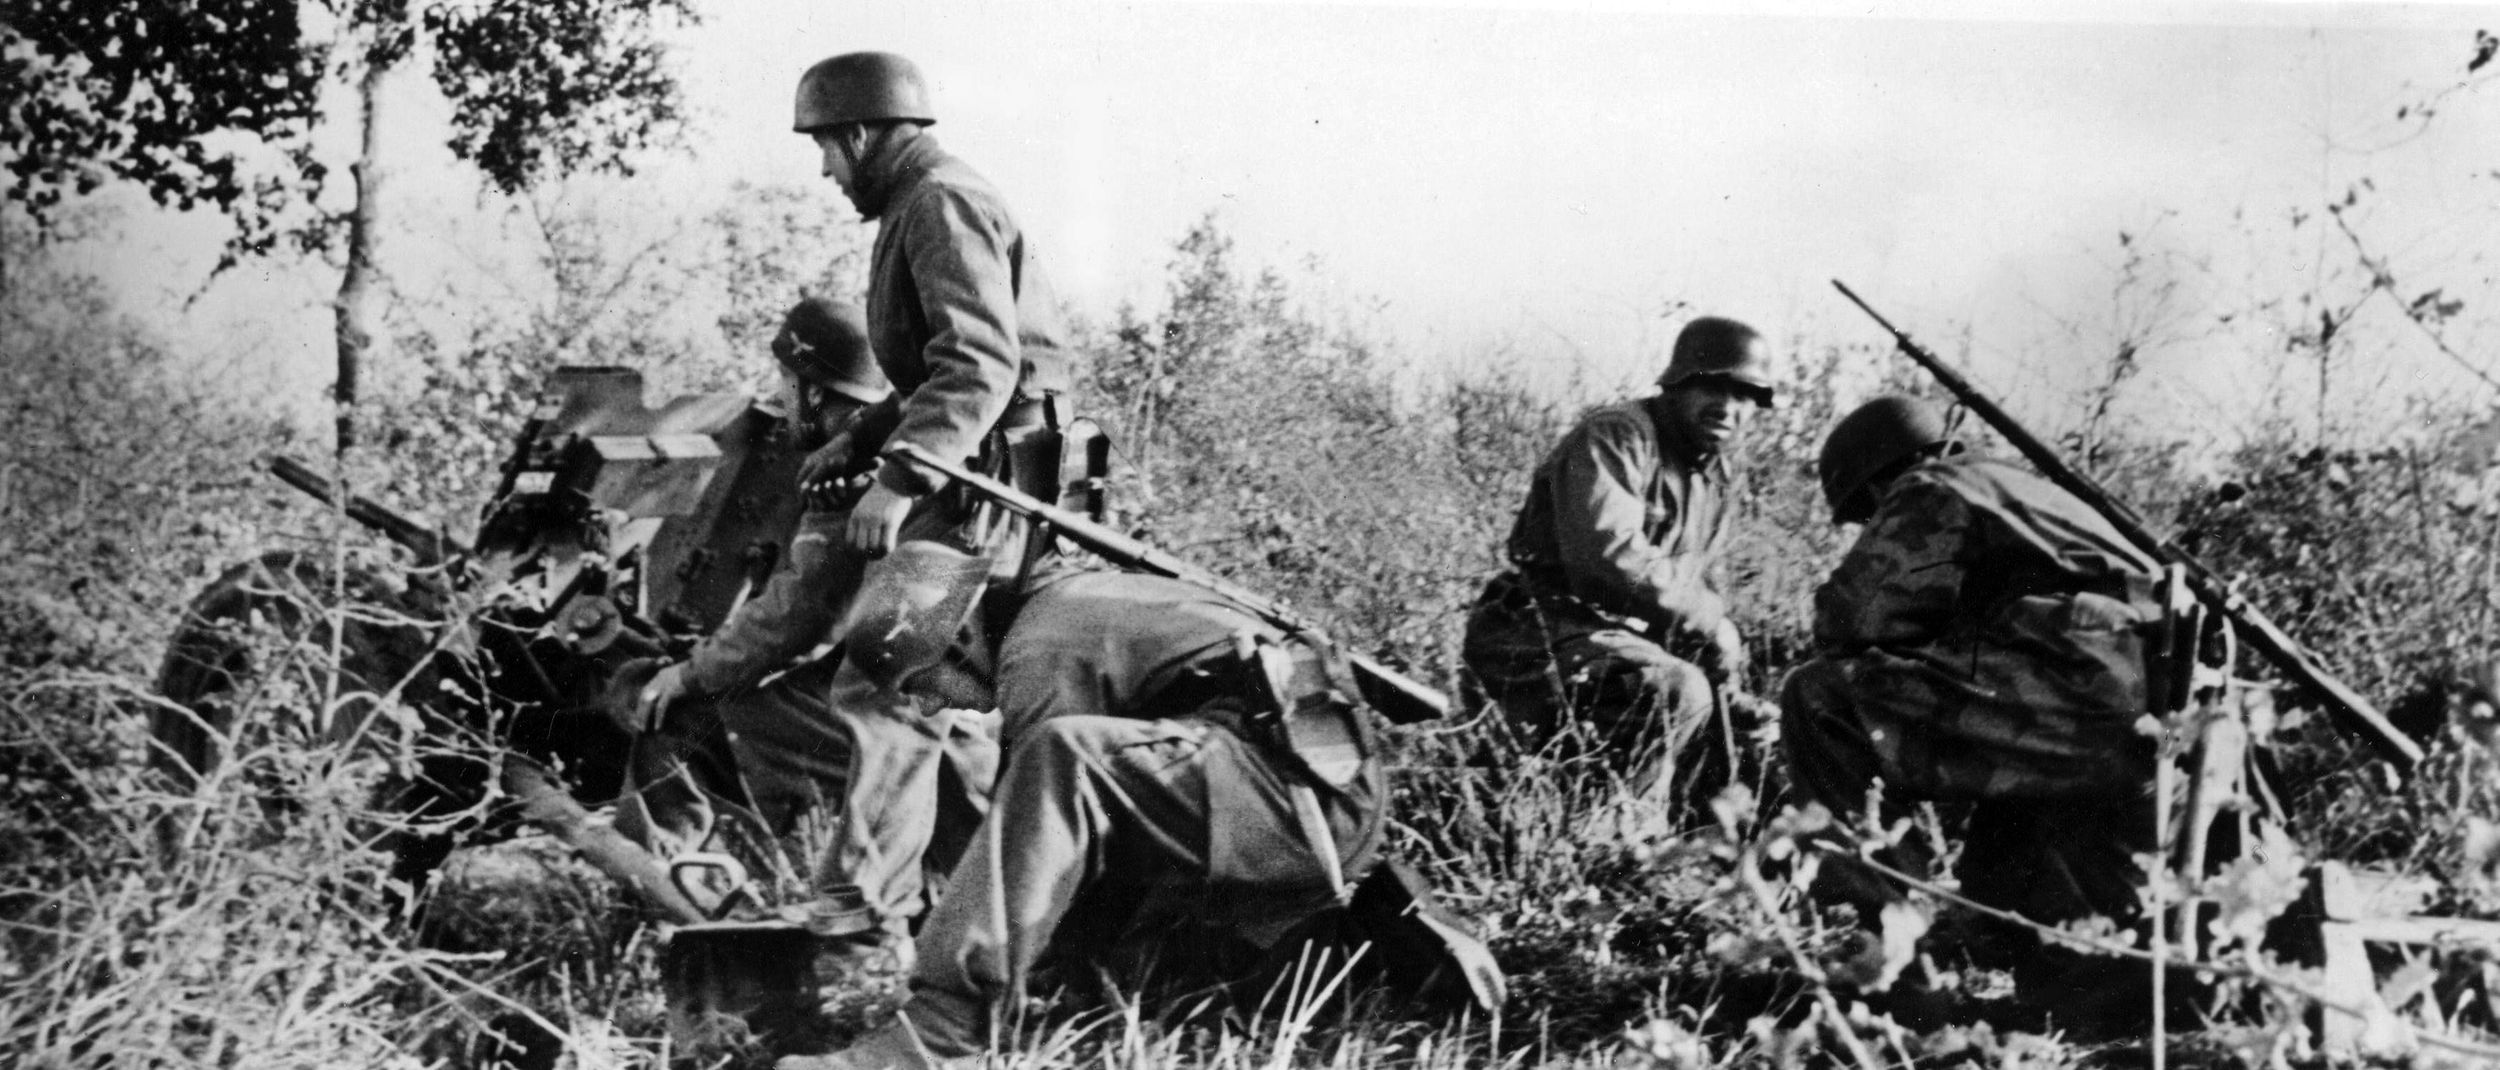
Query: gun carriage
(618, 530)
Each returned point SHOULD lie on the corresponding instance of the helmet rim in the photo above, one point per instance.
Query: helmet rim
(861, 87)
(1716, 347)
(1874, 437)
(825, 343)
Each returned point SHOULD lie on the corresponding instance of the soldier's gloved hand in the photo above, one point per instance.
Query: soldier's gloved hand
(836, 495)
(828, 463)
(877, 521)
(666, 687)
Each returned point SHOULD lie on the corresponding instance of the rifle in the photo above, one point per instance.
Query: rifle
(2351, 712)
(1398, 697)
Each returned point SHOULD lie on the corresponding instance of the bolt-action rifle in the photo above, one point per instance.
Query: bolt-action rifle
(2351, 712)
(1398, 697)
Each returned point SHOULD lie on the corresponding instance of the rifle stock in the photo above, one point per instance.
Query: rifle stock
(2351, 712)
(1398, 697)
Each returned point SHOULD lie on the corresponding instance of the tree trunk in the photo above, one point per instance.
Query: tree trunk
(364, 236)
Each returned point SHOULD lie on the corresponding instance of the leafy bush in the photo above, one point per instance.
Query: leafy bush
(1261, 433)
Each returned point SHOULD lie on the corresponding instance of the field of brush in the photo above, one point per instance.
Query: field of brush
(248, 924)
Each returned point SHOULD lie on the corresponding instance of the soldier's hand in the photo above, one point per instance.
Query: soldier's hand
(664, 690)
(877, 521)
(827, 464)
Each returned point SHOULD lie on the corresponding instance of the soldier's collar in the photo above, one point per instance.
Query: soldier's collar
(893, 169)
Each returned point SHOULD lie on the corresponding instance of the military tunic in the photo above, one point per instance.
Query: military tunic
(1611, 557)
(965, 325)
(961, 316)
(1130, 805)
(1980, 642)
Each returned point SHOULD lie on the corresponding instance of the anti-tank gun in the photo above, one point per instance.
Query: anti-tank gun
(618, 530)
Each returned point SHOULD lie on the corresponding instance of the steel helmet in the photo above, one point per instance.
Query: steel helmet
(862, 87)
(911, 611)
(825, 343)
(1714, 346)
(1872, 439)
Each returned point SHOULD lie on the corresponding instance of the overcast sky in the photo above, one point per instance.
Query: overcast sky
(1536, 182)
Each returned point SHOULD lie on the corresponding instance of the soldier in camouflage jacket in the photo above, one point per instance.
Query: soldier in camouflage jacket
(1980, 643)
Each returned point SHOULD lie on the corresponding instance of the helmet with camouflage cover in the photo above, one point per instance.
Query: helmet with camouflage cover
(862, 87)
(907, 628)
(1871, 442)
(825, 343)
(1720, 348)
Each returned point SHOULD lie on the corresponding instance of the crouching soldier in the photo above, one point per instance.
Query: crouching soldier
(737, 745)
(1184, 786)
(1980, 643)
(1607, 628)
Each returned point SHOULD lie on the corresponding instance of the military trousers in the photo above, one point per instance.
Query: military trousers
(744, 773)
(1109, 829)
(1573, 681)
(2051, 848)
(764, 775)
(901, 790)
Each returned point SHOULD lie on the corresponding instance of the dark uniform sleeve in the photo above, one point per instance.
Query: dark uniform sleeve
(1900, 584)
(958, 251)
(1602, 522)
(789, 617)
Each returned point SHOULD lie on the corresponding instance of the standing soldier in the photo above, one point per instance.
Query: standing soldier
(1606, 628)
(1979, 643)
(1186, 787)
(963, 322)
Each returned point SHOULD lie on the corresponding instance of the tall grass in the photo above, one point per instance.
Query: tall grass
(250, 921)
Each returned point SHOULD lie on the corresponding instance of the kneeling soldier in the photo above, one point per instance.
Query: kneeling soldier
(1607, 628)
(737, 727)
(1980, 643)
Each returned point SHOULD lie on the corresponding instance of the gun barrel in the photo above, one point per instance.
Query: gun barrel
(432, 547)
(1397, 696)
(2349, 709)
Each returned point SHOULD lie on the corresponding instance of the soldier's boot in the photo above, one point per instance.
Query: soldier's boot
(860, 957)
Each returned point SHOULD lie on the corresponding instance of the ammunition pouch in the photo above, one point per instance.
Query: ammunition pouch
(1060, 460)
(1056, 458)
(1303, 707)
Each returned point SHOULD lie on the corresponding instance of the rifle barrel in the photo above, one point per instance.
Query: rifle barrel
(1397, 696)
(431, 547)
(2350, 710)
